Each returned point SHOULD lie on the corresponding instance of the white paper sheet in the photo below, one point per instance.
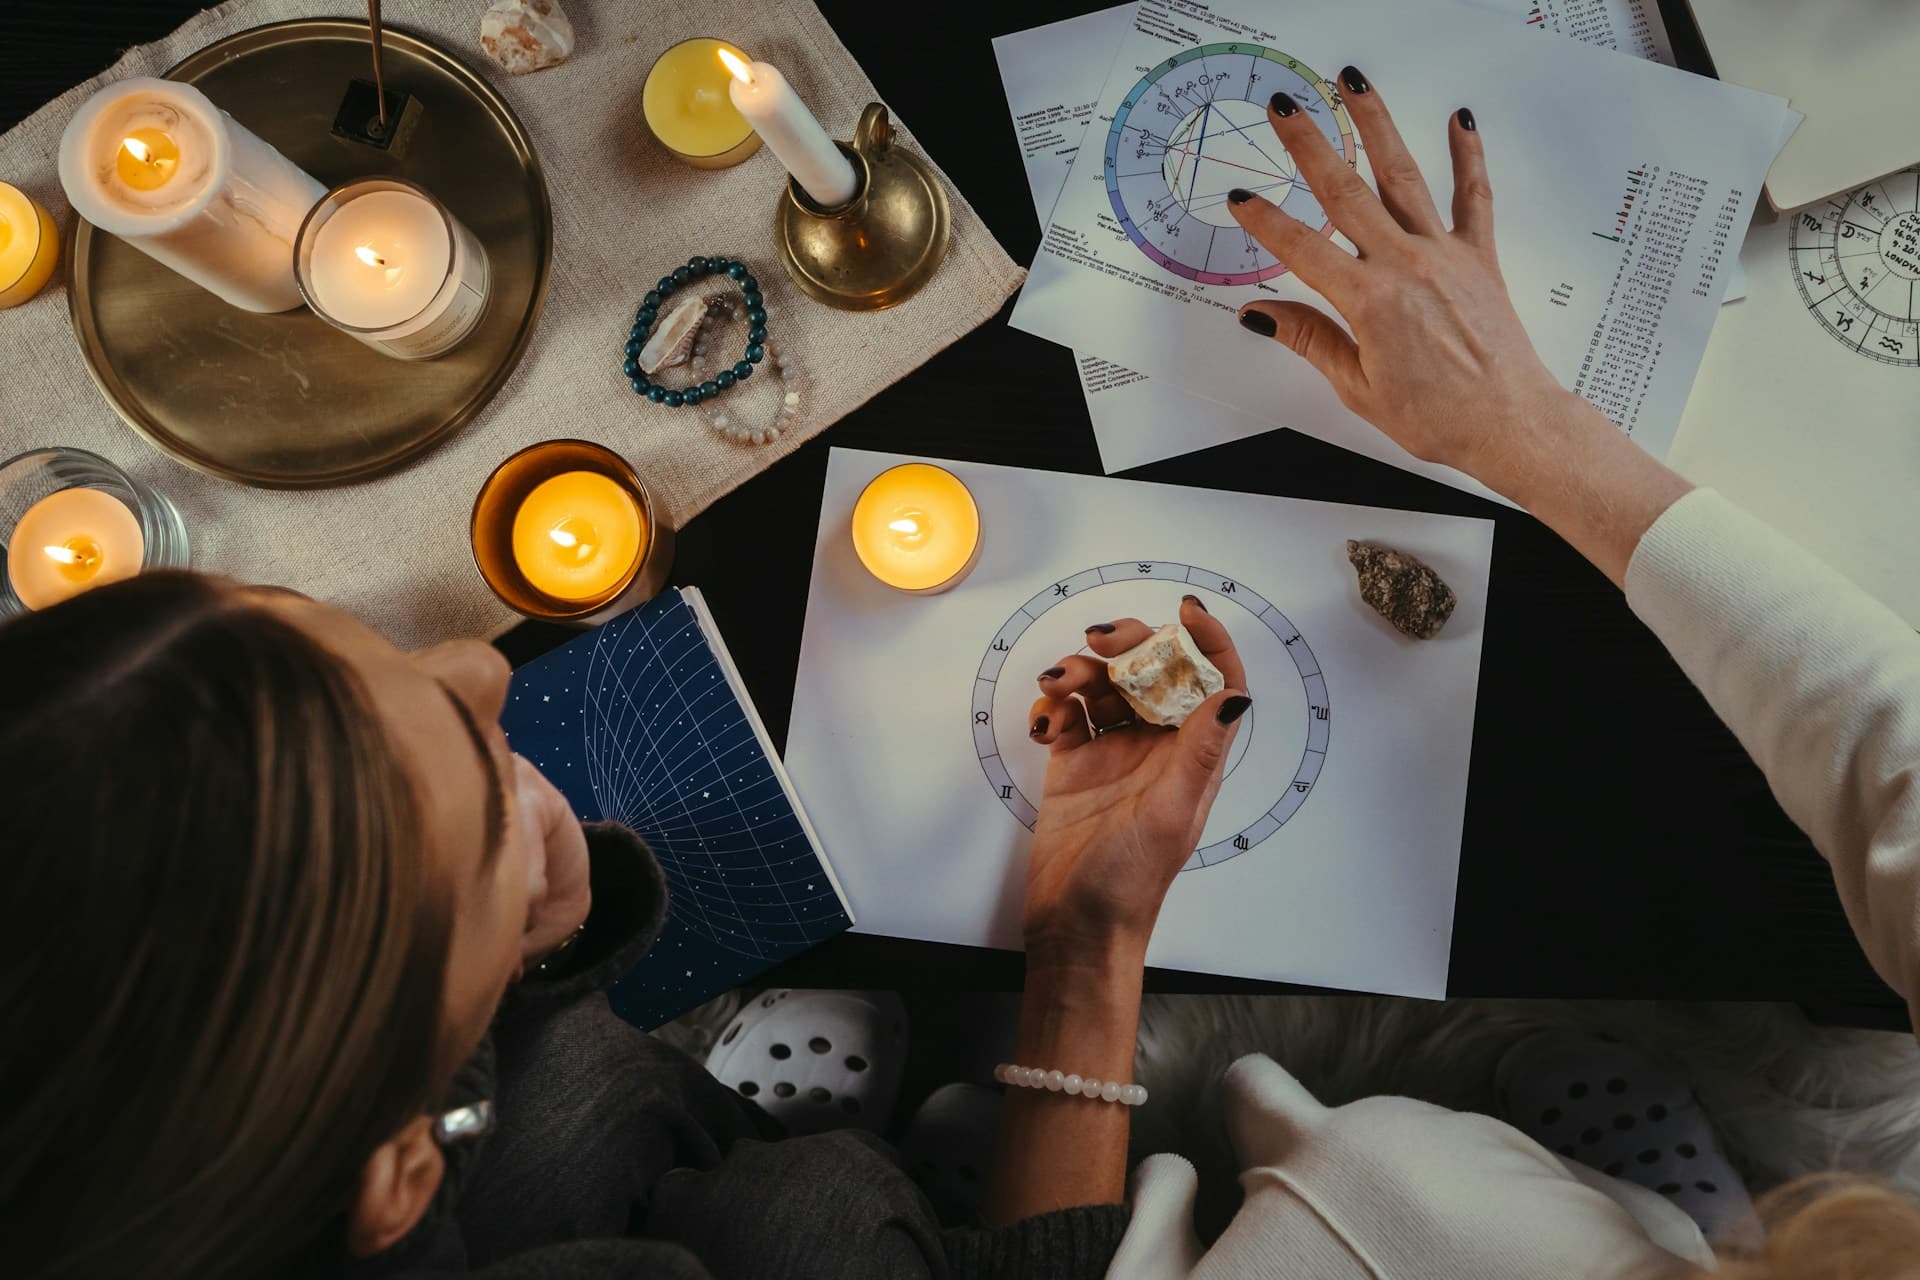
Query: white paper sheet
(1053, 75)
(909, 741)
(1139, 421)
(1809, 415)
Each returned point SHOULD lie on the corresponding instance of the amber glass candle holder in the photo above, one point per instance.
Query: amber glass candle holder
(507, 490)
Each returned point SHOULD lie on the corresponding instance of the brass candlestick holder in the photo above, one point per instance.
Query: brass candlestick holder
(880, 247)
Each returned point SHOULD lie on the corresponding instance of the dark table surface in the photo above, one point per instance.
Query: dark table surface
(1618, 842)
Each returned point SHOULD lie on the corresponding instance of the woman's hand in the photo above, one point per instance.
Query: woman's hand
(1437, 359)
(559, 889)
(1121, 812)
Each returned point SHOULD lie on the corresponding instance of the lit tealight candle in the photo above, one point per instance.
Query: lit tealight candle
(776, 113)
(386, 262)
(917, 528)
(29, 247)
(686, 103)
(578, 535)
(71, 541)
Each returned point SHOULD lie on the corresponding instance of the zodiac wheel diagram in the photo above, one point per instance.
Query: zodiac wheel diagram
(1856, 259)
(1282, 743)
(1192, 130)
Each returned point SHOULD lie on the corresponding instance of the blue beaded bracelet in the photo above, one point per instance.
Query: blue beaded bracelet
(650, 305)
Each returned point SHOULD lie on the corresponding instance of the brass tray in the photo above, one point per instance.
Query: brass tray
(285, 401)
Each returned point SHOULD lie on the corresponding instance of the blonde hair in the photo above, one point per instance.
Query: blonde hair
(1832, 1226)
(224, 948)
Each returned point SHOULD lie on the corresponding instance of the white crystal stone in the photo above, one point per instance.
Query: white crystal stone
(1089, 1088)
(526, 35)
(1071, 1085)
(1165, 677)
(671, 341)
(1133, 1095)
(1110, 1091)
(1055, 1081)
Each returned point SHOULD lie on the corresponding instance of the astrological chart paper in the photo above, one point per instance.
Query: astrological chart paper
(1332, 853)
(1808, 408)
(1617, 225)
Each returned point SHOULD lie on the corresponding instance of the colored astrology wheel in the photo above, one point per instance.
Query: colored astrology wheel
(1192, 130)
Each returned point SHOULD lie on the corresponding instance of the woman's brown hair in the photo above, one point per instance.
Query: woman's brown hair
(223, 948)
(1833, 1226)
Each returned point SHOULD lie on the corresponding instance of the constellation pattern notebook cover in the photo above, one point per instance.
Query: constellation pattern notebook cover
(645, 721)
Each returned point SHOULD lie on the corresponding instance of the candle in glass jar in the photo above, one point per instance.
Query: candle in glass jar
(916, 527)
(687, 105)
(157, 164)
(776, 113)
(69, 542)
(384, 261)
(29, 247)
(578, 535)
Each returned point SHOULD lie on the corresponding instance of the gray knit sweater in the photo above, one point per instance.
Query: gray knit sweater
(618, 1156)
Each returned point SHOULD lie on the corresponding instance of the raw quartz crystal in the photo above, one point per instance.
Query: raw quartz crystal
(1165, 677)
(526, 35)
(1401, 588)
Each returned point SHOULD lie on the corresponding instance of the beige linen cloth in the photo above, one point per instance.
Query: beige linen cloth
(622, 215)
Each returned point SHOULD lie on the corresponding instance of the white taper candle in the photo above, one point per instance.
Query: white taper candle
(763, 96)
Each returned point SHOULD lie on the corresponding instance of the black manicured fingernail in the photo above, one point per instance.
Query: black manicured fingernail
(1039, 727)
(1239, 195)
(1053, 673)
(1195, 602)
(1354, 81)
(1465, 117)
(1259, 322)
(1100, 628)
(1282, 104)
(1233, 708)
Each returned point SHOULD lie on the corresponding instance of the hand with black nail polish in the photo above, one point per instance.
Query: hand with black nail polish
(1431, 351)
(1124, 802)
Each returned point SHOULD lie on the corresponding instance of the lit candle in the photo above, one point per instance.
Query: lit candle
(29, 247)
(917, 528)
(776, 113)
(686, 103)
(578, 535)
(70, 541)
(157, 164)
(385, 261)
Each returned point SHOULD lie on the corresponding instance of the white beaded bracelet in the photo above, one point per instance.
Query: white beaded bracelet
(1132, 1095)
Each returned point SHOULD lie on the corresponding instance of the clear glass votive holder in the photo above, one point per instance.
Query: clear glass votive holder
(498, 506)
(85, 539)
(344, 265)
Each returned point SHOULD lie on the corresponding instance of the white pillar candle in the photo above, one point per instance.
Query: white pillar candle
(385, 261)
(763, 96)
(157, 164)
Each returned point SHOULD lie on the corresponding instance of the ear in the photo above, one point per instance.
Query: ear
(396, 1185)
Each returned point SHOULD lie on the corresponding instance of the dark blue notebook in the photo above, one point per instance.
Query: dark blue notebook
(644, 720)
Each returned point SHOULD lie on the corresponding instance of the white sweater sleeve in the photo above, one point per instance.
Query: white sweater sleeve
(1821, 684)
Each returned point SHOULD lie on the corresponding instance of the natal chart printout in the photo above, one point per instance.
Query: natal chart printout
(1332, 853)
(1809, 397)
(1053, 75)
(1615, 245)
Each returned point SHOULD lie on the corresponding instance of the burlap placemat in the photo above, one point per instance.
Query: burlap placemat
(623, 209)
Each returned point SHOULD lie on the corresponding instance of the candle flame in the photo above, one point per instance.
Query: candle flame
(905, 524)
(562, 537)
(65, 555)
(366, 254)
(138, 150)
(736, 64)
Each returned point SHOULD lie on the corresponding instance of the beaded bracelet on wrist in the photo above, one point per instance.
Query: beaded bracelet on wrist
(649, 311)
(1132, 1095)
